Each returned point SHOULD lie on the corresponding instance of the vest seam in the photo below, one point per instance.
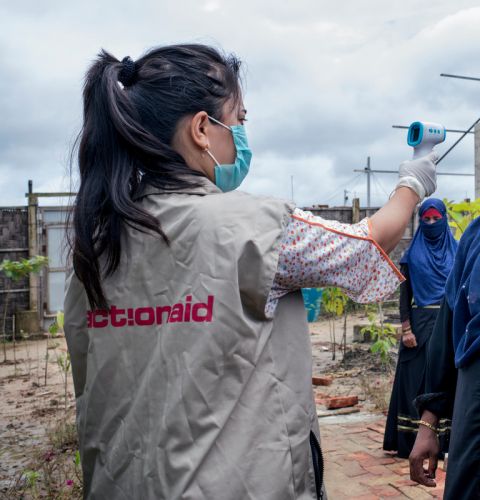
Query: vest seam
(276, 252)
(285, 422)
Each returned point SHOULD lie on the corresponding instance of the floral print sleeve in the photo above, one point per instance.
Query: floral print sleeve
(315, 252)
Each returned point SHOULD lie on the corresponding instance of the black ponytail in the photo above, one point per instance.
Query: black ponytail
(131, 110)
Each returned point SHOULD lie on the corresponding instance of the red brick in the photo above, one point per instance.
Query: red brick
(322, 380)
(403, 482)
(358, 455)
(386, 461)
(415, 492)
(386, 491)
(352, 469)
(436, 492)
(369, 462)
(368, 497)
(440, 474)
(355, 430)
(377, 470)
(376, 428)
(400, 469)
(341, 402)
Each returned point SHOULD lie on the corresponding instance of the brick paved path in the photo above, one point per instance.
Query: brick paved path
(357, 468)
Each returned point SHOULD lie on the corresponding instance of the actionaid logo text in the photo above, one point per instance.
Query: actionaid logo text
(187, 312)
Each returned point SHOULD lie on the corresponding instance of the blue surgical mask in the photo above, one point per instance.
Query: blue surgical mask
(229, 176)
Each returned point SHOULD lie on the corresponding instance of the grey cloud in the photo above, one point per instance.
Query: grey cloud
(325, 82)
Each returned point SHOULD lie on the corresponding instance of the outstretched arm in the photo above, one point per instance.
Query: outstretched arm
(389, 223)
(417, 179)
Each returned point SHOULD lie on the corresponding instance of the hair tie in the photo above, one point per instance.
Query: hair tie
(127, 73)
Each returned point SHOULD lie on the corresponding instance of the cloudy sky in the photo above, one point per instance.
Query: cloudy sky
(325, 82)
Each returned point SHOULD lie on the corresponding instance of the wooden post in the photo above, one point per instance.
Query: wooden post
(355, 210)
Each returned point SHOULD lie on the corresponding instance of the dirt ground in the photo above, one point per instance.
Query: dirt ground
(36, 422)
(358, 373)
(37, 441)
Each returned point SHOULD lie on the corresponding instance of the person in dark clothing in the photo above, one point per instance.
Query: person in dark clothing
(425, 265)
(452, 382)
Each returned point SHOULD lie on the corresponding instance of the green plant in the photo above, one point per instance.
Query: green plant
(60, 464)
(383, 334)
(386, 338)
(25, 337)
(334, 303)
(53, 331)
(76, 459)
(31, 479)
(63, 435)
(16, 270)
(461, 214)
(77, 463)
(63, 361)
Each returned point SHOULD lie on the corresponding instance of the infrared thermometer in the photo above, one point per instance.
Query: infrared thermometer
(424, 136)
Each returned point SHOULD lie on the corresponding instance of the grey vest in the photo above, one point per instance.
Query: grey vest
(185, 390)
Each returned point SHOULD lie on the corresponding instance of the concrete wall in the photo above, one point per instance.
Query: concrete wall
(13, 246)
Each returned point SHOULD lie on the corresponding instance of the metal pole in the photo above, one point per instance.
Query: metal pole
(345, 197)
(457, 141)
(461, 77)
(450, 130)
(461, 174)
(476, 140)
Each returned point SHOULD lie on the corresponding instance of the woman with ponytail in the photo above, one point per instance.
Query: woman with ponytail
(183, 312)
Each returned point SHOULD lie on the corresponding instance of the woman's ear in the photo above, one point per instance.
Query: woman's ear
(199, 126)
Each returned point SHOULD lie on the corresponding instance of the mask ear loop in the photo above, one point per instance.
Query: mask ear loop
(206, 149)
(219, 123)
(212, 157)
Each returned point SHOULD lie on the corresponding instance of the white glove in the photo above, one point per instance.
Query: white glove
(420, 175)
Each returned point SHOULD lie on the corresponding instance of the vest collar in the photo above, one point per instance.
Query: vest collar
(204, 187)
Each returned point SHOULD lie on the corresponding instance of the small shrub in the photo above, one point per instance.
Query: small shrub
(461, 214)
(63, 436)
(334, 302)
(384, 336)
(55, 471)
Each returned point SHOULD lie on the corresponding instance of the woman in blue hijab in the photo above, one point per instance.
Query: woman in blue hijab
(452, 382)
(426, 265)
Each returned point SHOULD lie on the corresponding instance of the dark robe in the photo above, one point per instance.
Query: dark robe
(402, 420)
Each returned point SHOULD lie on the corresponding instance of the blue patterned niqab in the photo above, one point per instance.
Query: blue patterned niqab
(430, 256)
